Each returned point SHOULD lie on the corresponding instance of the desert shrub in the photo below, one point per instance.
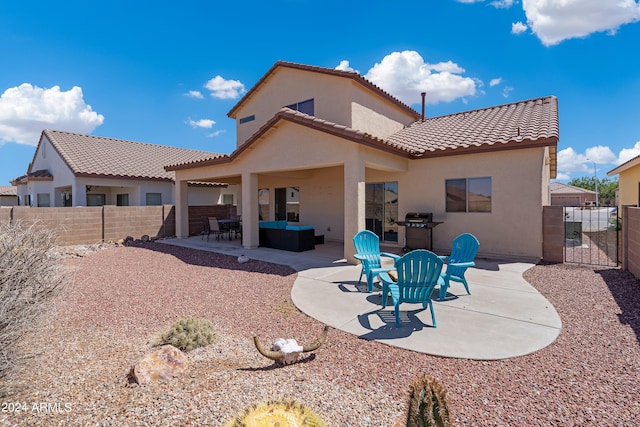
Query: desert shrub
(276, 413)
(30, 276)
(189, 333)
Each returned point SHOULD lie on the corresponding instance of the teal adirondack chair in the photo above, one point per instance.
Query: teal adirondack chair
(368, 253)
(463, 252)
(418, 274)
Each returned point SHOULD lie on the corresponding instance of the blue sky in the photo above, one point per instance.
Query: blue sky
(167, 72)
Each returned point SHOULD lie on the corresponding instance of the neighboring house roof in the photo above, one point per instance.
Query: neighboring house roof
(8, 190)
(39, 175)
(523, 124)
(100, 157)
(558, 188)
(626, 165)
(329, 71)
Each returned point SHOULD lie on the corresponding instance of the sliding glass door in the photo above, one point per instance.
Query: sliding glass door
(381, 210)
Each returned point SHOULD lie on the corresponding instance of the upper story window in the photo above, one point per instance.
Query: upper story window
(468, 195)
(247, 119)
(305, 107)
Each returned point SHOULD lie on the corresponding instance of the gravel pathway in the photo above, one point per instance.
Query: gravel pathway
(119, 300)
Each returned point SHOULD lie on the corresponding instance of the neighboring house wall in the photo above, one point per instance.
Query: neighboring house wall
(629, 187)
(8, 200)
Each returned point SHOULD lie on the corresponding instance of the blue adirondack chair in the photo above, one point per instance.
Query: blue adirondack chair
(463, 252)
(418, 274)
(368, 253)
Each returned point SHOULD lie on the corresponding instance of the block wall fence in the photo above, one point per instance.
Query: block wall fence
(90, 225)
(631, 240)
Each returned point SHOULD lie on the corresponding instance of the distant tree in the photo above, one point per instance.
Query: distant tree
(606, 187)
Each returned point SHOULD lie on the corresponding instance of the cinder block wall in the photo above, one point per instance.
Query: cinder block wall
(134, 221)
(5, 215)
(553, 234)
(89, 225)
(75, 226)
(631, 240)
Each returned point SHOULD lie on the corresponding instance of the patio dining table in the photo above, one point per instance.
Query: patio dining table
(231, 224)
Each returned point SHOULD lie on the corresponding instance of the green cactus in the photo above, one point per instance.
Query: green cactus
(428, 404)
(275, 413)
(189, 333)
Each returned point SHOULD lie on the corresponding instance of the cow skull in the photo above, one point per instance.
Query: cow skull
(287, 351)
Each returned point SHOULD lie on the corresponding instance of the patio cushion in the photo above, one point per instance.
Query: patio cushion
(299, 227)
(279, 225)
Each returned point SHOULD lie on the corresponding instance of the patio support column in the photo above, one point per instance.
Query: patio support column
(354, 204)
(182, 209)
(250, 237)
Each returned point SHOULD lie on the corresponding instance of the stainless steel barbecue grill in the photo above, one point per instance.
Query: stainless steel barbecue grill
(418, 230)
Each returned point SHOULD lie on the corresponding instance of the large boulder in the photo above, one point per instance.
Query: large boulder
(163, 364)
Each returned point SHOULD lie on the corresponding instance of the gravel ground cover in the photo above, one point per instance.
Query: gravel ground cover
(118, 301)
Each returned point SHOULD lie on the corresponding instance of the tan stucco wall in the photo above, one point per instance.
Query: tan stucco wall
(293, 155)
(513, 228)
(336, 99)
(628, 186)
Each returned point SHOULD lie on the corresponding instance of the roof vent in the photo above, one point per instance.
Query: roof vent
(423, 94)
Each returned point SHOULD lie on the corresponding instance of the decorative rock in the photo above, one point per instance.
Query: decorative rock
(145, 238)
(160, 365)
(243, 258)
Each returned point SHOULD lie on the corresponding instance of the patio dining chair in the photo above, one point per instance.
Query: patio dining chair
(463, 252)
(367, 246)
(214, 228)
(418, 274)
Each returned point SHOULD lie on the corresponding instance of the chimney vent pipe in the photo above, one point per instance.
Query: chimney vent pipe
(424, 94)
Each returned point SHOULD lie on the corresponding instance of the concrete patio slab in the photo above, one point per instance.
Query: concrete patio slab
(503, 317)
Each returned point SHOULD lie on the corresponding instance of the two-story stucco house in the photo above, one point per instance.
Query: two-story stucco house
(328, 148)
(70, 169)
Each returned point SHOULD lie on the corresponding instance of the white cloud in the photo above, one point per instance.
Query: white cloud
(194, 94)
(202, 123)
(506, 91)
(600, 155)
(556, 20)
(495, 82)
(627, 154)
(518, 28)
(405, 75)
(225, 89)
(216, 133)
(594, 159)
(26, 110)
(344, 66)
(502, 4)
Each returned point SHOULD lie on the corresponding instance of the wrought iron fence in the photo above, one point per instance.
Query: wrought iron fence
(591, 235)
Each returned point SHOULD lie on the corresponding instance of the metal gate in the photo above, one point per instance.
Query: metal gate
(591, 235)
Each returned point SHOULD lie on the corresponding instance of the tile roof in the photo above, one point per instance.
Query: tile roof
(8, 190)
(330, 71)
(313, 122)
(95, 156)
(560, 188)
(524, 122)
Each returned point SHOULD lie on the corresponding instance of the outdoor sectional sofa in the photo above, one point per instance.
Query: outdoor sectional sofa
(280, 235)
